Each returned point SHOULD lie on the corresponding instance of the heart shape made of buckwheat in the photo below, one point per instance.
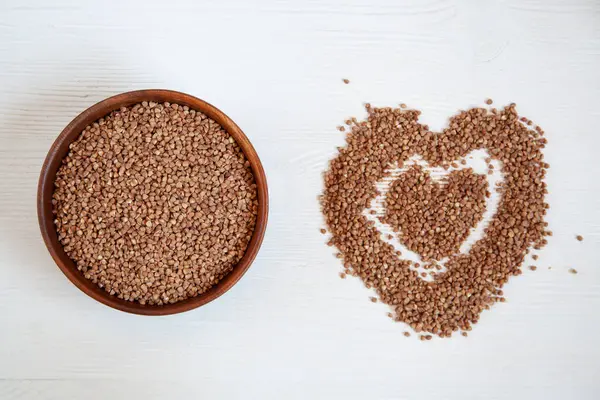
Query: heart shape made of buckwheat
(471, 281)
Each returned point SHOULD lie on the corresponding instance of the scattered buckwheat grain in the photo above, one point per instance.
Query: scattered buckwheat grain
(346, 81)
(579, 237)
(572, 270)
(433, 219)
(155, 203)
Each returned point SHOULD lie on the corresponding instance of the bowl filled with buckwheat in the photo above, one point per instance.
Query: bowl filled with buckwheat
(153, 202)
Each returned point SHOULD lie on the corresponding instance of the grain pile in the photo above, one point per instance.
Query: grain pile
(155, 203)
(435, 219)
(422, 213)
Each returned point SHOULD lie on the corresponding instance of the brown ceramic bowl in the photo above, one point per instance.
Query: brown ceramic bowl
(60, 149)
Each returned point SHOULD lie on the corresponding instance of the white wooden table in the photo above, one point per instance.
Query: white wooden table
(292, 329)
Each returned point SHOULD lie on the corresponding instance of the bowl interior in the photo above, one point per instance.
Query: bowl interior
(59, 150)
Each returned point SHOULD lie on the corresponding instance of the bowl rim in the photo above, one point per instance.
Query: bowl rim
(59, 150)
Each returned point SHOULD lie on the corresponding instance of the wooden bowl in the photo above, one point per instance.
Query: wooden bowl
(60, 149)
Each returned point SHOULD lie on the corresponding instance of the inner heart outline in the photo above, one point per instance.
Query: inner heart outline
(475, 160)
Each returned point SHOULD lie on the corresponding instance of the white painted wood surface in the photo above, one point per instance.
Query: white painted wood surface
(291, 329)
